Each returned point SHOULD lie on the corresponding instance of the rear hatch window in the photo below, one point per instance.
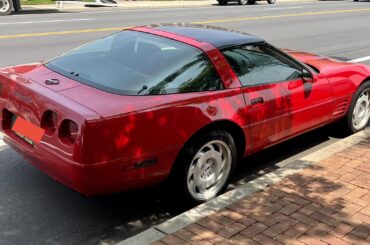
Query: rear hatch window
(135, 63)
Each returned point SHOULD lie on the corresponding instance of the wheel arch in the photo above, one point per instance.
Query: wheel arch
(231, 127)
(367, 79)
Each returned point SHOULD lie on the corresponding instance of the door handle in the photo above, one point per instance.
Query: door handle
(258, 100)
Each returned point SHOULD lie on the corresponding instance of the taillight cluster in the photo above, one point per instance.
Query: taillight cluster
(68, 132)
(68, 129)
(49, 122)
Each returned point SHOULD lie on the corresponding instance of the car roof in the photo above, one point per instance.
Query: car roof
(218, 37)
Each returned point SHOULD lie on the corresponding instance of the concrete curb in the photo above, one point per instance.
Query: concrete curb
(1, 140)
(171, 226)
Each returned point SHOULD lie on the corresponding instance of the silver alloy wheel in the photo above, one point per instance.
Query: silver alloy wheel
(209, 170)
(361, 112)
(4, 6)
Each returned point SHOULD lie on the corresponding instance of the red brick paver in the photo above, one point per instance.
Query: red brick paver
(328, 203)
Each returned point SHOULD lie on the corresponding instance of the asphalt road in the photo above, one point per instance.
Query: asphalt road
(36, 210)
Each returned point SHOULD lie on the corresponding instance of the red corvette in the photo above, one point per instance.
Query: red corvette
(178, 101)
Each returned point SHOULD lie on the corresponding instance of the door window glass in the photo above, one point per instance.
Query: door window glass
(258, 64)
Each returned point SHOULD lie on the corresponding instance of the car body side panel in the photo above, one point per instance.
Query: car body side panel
(344, 77)
(288, 109)
(168, 123)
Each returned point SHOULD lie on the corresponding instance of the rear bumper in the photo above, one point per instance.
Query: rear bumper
(95, 179)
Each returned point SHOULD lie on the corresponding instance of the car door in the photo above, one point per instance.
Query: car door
(280, 103)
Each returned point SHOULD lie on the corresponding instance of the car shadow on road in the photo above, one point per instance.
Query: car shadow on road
(39, 11)
(285, 153)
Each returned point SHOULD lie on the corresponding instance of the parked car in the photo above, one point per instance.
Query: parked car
(176, 102)
(243, 2)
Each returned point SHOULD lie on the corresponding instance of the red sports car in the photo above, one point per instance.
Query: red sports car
(171, 101)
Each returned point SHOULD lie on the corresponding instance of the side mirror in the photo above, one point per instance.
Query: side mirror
(307, 76)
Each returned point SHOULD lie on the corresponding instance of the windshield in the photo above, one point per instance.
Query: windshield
(135, 63)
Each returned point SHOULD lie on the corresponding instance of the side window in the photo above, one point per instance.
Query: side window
(196, 75)
(258, 64)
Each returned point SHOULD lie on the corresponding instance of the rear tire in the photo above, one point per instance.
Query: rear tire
(358, 116)
(205, 166)
(6, 7)
(271, 1)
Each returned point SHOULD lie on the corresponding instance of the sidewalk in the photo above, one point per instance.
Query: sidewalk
(326, 203)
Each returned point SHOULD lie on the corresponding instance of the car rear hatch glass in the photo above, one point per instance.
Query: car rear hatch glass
(136, 63)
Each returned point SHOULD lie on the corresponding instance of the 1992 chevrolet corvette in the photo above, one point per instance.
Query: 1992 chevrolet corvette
(176, 101)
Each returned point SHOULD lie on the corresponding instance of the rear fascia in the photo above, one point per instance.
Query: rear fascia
(29, 100)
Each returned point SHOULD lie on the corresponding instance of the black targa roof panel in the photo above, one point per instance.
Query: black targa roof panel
(216, 36)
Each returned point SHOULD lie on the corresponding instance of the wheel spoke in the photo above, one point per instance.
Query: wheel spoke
(191, 171)
(192, 186)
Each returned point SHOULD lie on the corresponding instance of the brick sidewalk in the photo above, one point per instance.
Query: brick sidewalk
(328, 203)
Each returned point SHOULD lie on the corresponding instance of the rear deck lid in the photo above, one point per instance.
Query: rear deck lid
(50, 79)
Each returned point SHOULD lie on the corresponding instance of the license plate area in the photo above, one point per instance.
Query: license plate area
(19, 135)
(21, 129)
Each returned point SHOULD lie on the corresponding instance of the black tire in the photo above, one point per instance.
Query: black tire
(184, 165)
(6, 7)
(251, 1)
(242, 2)
(271, 1)
(223, 3)
(349, 120)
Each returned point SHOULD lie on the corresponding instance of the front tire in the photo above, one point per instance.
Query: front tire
(359, 112)
(207, 165)
(271, 1)
(6, 7)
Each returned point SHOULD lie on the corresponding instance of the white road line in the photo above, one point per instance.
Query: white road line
(360, 59)
(44, 21)
(274, 8)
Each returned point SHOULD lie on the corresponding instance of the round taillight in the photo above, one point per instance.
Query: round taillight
(49, 122)
(68, 132)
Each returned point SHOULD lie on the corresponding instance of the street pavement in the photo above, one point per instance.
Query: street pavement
(36, 210)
